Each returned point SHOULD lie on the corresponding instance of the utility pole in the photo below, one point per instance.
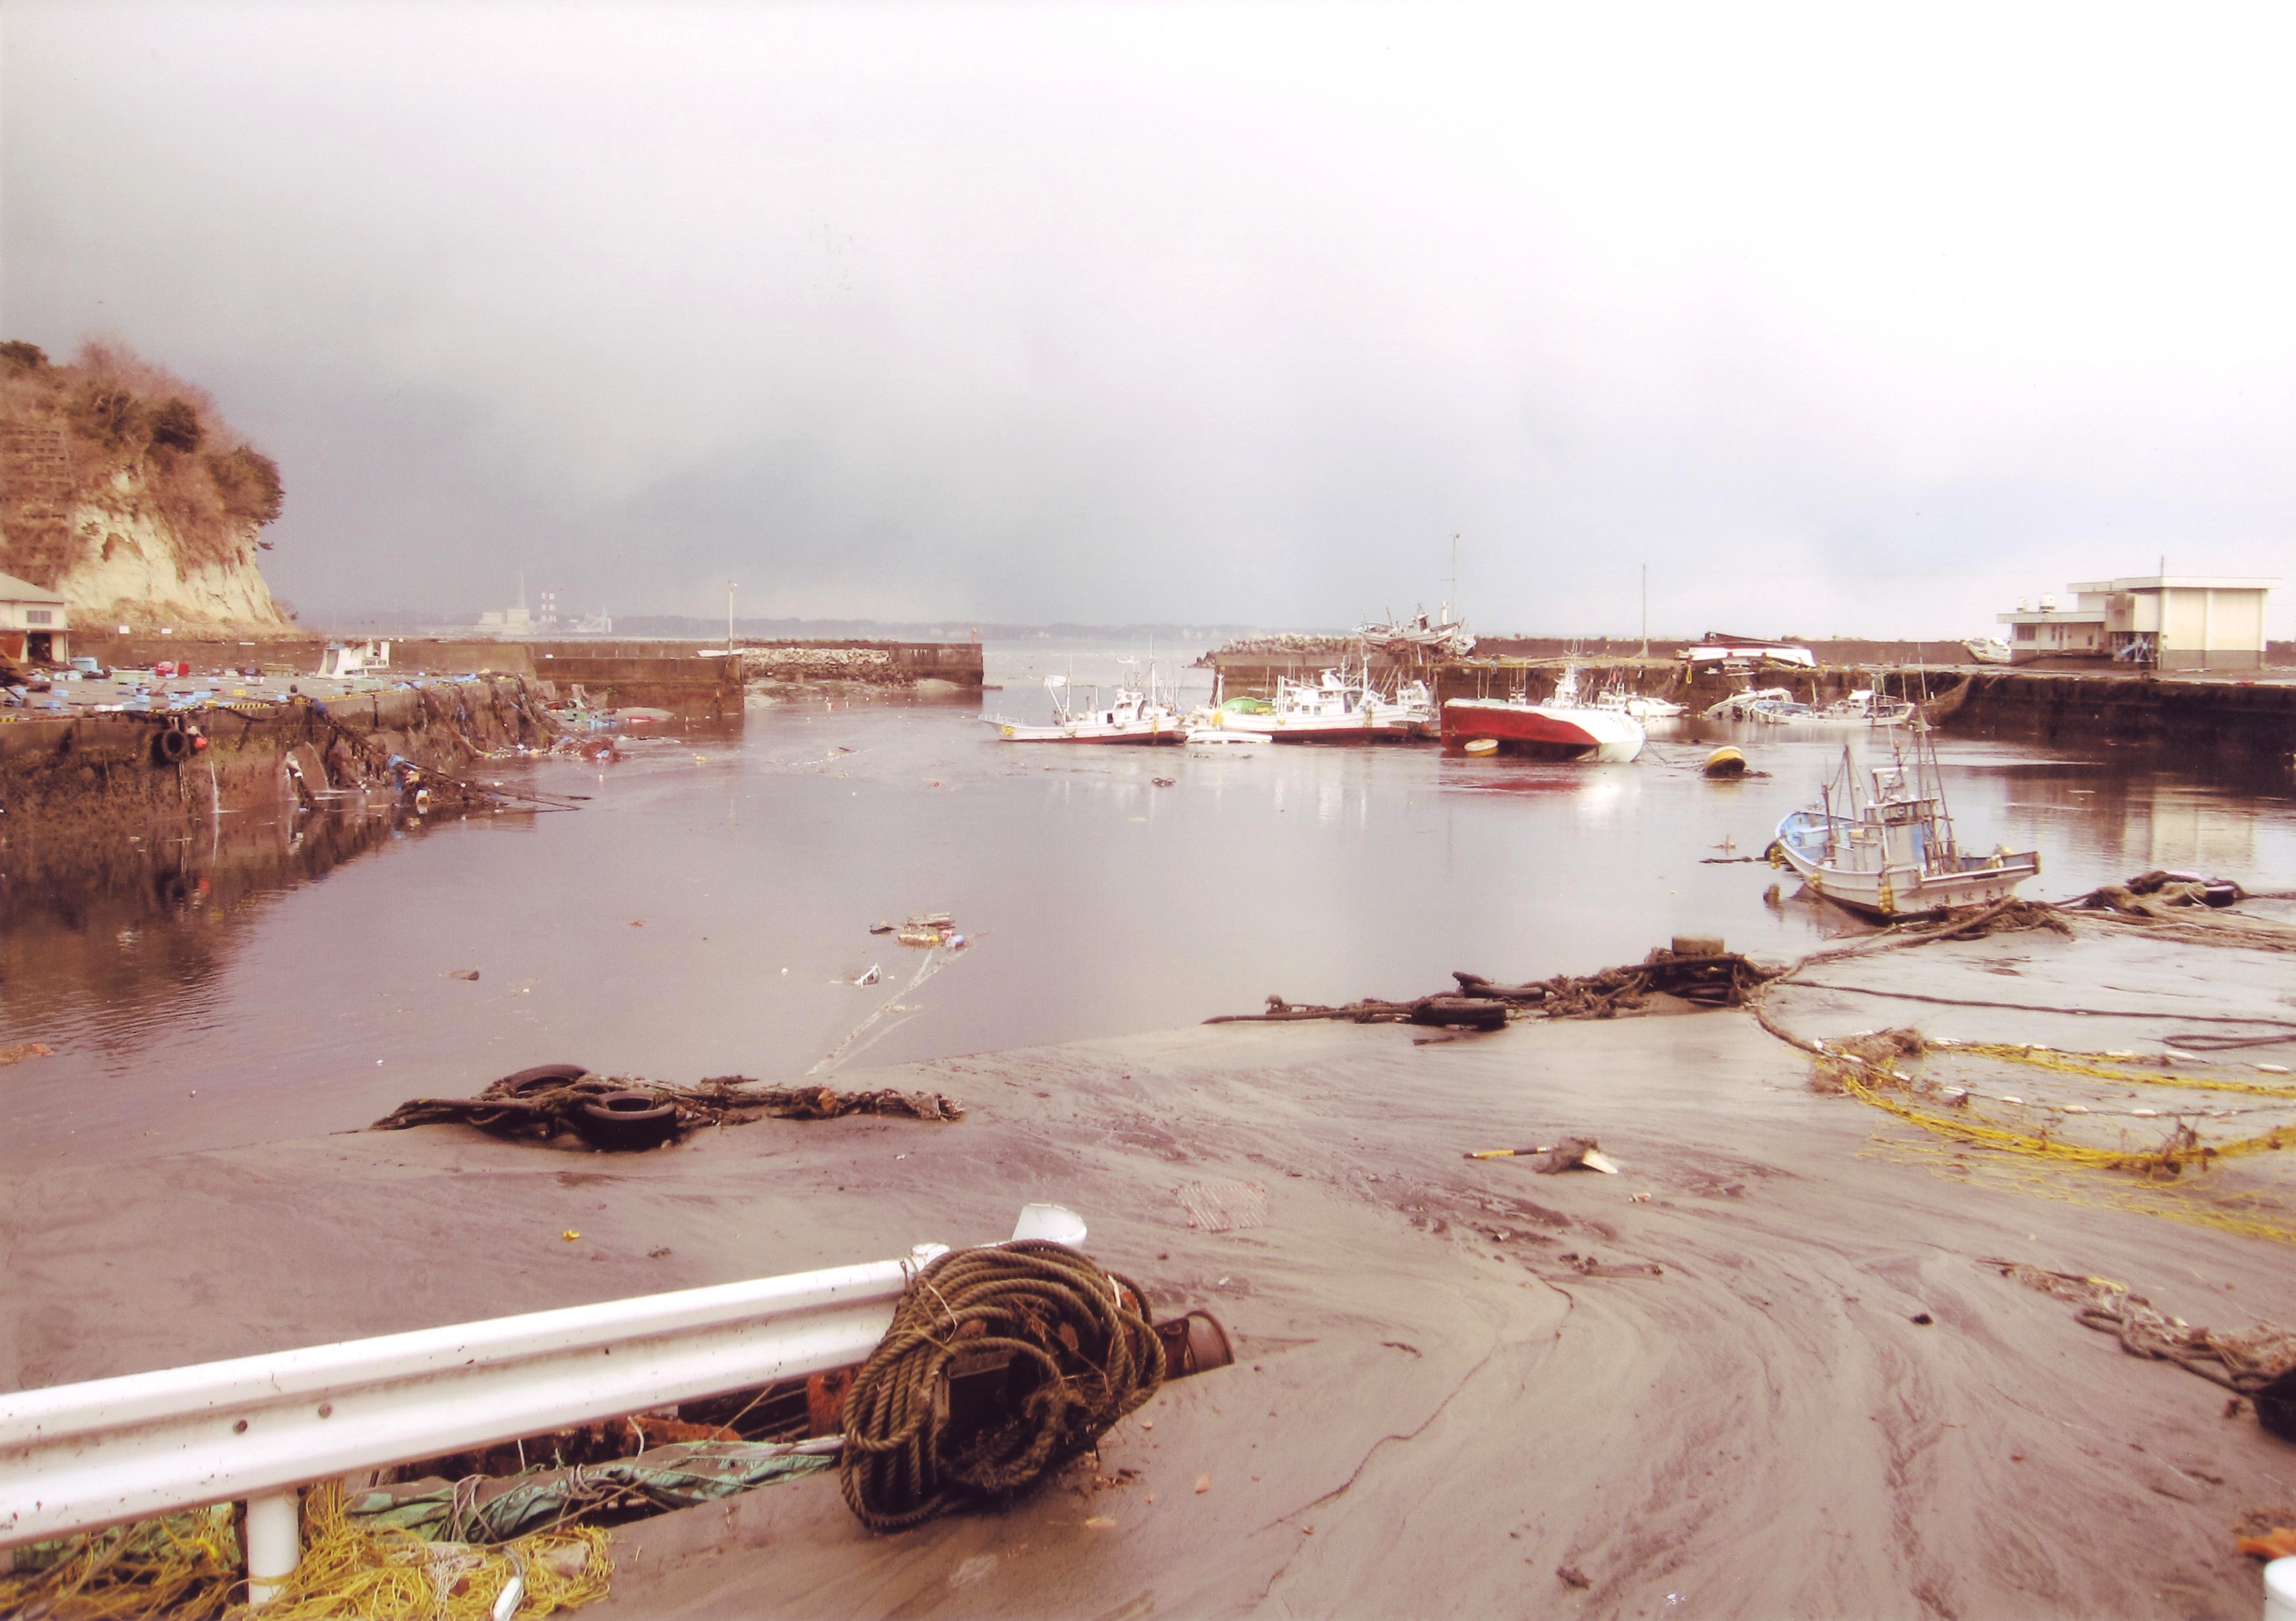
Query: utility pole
(1646, 611)
(729, 618)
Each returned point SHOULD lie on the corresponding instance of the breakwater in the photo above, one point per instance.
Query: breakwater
(695, 679)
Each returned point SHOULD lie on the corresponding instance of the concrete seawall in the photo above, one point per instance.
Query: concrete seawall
(2237, 717)
(71, 787)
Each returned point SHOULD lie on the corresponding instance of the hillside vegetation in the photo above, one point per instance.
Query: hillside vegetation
(126, 492)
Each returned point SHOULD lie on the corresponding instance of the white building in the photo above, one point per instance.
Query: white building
(32, 623)
(2174, 622)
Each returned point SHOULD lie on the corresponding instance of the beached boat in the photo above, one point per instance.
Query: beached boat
(1136, 717)
(1988, 650)
(1741, 705)
(1442, 635)
(1721, 650)
(1889, 850)
(1561, 728)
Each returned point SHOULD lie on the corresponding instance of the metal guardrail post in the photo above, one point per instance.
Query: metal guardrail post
(274, 1544)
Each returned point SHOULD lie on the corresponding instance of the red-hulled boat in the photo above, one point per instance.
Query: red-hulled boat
(1560, 729)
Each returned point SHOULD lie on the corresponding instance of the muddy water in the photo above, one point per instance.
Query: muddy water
(709, 909)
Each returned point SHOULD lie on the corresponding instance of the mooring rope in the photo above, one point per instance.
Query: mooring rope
(1081, 1354)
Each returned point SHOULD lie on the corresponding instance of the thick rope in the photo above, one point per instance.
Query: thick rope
(1082, 1354)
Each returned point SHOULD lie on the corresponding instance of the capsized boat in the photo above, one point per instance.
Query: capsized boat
(1136, 717)
(1742, 704)
(1641, 705)
(1889, 850)
(1562, 728)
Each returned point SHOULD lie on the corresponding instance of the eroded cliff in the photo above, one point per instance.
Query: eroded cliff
(125, 492)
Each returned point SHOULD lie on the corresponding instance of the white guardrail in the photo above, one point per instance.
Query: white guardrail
(79, 1457)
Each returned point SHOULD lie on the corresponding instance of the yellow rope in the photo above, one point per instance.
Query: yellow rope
(189, 1566)
(2049, 1058)
(388, 1574)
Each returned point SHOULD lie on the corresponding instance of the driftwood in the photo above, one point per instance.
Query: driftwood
(541, 1107)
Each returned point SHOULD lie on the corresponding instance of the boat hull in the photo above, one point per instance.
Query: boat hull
(1148, 734)
(1538, 732)
(1905, 891)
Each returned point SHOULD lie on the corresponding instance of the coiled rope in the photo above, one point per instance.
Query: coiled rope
(1082, 1354)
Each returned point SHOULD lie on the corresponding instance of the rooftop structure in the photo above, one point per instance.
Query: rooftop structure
(32, 623)
(2171, 622)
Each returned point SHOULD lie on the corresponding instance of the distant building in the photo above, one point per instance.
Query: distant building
(32, 623)
(2173, 622)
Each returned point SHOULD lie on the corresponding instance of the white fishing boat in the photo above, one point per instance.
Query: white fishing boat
(1335, 707)
(1889, 850)
(1135, 717)
(1741, 705)
(1562, 728)
(1221, 739)
(1721, 649)
(1862, 707)
(1988, 650)
(1441, 634)
(1641, 706)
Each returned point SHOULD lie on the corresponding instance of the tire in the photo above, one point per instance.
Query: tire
(626, 1120)
(542, 1077)
(172, 747)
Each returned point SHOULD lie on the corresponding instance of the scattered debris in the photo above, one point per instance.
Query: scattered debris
(24, 1050)
(464, 973)
(1571, 1576)
(2267, 1533)
(1572, 1154)
(1719, 979)
(2260, 1364)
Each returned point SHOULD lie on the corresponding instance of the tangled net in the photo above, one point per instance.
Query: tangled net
(525, 1106)
(188, 1565)
(1067, 1347)
(2244, 1364)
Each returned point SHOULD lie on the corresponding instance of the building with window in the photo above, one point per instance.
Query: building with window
(2166, 621)
(31, 623)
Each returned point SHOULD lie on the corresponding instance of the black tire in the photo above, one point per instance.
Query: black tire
(542, 1077)
(2275, 1406)
(626, 1120)
(172, 747)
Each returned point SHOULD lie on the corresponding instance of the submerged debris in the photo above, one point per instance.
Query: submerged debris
(611, 1112)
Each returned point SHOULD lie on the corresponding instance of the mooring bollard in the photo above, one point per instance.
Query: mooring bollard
(274, 1542)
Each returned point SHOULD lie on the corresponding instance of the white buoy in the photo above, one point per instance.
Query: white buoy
(2280, 1590)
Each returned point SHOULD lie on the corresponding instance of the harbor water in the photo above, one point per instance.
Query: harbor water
(707, 910)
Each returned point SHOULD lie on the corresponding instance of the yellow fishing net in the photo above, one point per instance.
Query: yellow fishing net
(190, 1565)
(2097, 1117)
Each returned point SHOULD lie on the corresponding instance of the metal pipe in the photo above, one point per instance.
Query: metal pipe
(274, 1542)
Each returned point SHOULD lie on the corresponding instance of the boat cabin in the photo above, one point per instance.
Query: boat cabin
(32, 623)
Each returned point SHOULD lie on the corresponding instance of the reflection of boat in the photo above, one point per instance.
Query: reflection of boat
(1134, 717)
(1890, 851)
(1987, 650)
(1220, 739)
(1560, 729)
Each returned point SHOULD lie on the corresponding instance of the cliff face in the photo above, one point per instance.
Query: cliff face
(122, 489)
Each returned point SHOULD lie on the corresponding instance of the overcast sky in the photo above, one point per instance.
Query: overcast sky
(1841, 319)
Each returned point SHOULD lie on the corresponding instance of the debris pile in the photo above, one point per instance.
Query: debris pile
(619, 1113)
(1719, 979)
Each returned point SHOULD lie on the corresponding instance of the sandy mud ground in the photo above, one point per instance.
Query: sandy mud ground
(1464, 1389)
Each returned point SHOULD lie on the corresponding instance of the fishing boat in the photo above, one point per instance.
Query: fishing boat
(1741, 705)
(1136, 717)
(1641, 706)
(1335, 707)
(1988, 650)
(1442, 635)
(1886, 846)
(1562, 728)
